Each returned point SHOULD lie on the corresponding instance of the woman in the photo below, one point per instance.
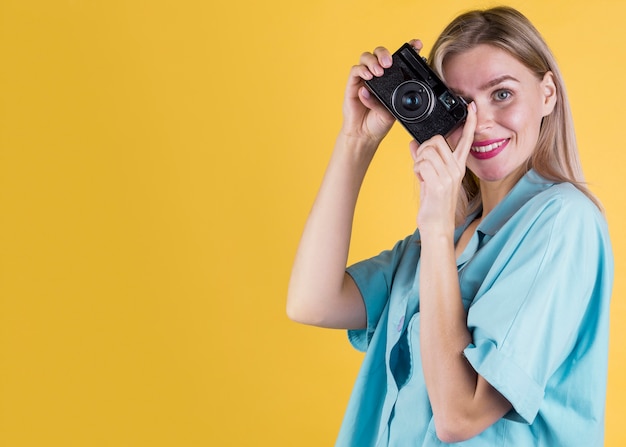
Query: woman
(489, 325)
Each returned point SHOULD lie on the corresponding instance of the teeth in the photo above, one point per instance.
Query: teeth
(489, 147)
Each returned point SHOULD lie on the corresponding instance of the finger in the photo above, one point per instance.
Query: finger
(384, 57)
(428, 168)
(373, 64)
(372, 103)
(428, 156)
(438, 146)
(416, 44)
(427, 171)
(467, 137)
(358, 73)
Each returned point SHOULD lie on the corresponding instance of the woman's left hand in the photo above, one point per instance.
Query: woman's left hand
(440, 171)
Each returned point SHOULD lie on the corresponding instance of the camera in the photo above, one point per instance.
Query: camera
(414, 94)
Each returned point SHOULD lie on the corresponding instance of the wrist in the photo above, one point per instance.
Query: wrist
(440, 235)
(361, 148)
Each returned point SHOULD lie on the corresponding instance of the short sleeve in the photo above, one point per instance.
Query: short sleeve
(374, 278)
(527, 314)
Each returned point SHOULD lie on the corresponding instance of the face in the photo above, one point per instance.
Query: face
(510, 102)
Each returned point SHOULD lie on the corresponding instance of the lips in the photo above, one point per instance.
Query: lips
(488, 149)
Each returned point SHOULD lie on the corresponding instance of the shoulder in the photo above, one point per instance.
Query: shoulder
(569, 195)
(564, 215)
(550, 214)
(565, 201)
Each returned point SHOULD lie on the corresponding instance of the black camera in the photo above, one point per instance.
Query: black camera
(417, 97)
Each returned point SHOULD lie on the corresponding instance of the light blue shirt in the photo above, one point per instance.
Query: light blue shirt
(536, 281)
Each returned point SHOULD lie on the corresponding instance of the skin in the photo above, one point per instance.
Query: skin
(511, 102)
(508, 103)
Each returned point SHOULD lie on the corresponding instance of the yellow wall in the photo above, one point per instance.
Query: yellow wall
(157, 163)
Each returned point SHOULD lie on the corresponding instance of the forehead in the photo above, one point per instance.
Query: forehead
(474, 69)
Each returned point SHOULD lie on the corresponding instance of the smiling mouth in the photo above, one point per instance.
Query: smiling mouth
(488, 147)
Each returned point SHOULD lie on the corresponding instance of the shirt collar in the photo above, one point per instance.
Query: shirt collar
(527, 187)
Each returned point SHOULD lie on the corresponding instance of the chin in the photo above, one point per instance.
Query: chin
(499, 173)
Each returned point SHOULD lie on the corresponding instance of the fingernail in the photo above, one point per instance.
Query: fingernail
(473, 106)
(386, 61)
(365, 92)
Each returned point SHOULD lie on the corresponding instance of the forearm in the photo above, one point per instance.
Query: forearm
(463, 403)
(318, 275)
(443, 328)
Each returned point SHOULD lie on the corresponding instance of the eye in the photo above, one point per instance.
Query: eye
(502, 95)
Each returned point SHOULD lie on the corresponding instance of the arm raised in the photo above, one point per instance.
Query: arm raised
(320, 292)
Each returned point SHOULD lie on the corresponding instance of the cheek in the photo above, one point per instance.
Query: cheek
(515, 118)
(524, 121)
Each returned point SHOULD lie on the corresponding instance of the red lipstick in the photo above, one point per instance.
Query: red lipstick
(484, 150)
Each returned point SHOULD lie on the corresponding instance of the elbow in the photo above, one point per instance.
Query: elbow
(294, 313)
(310, 310)
(450, 436)
(298, 311)
(459, 420)
(299, 315)
(453, 429)
(294, 308)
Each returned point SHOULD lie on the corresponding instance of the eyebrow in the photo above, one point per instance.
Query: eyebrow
(490, 84)
(498, 80)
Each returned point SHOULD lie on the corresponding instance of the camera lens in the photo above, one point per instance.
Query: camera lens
(412, 100)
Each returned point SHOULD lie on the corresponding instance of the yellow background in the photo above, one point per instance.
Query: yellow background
(157, 163)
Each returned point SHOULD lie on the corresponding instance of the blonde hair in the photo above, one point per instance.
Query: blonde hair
(556, 154)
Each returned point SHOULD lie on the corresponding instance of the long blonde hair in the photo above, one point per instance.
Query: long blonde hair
(556, 154)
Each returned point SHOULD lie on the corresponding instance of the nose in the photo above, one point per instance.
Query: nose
(484, 118)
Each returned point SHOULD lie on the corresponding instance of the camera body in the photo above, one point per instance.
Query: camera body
(416, 96)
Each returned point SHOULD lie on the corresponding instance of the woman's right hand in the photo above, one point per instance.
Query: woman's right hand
(320, 291)
(364, 115)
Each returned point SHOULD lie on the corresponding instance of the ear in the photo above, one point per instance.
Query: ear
(548, 92)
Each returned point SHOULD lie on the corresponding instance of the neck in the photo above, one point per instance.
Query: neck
(493, 192)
